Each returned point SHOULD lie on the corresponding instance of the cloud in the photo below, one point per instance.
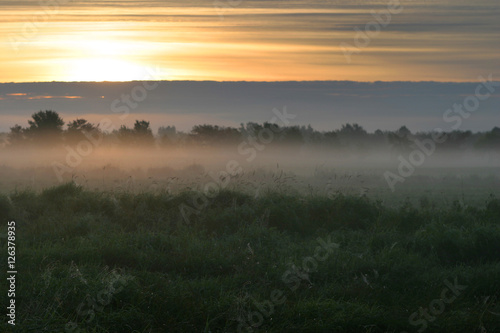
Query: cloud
(440, 40)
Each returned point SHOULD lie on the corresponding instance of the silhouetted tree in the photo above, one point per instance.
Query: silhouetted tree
(331, 137)
(17, 135)
(403, 132)
(400, 140)
(125, 135)
(77, 129)
(378, 139)
(250, 129)
(167, 130)
(456, 140)
(167, 135)
(143, 133)
(293, 135)
(310, 135)
(352, 136)
(45, 128)
(490, 139)
(213, 134)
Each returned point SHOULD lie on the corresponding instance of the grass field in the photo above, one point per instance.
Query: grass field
(108, 261)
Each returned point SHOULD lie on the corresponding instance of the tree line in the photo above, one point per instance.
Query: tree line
(47, 128)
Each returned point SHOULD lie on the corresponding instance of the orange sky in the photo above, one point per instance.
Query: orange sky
(442, 40)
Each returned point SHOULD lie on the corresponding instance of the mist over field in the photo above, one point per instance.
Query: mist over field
(168, 164)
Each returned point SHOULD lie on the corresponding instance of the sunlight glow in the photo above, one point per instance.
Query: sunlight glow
(256, 41)
(104, 69)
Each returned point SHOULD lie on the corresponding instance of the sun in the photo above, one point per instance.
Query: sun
(104, 69)
(108, 59)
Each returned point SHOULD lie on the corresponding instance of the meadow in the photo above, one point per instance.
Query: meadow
(277, 260)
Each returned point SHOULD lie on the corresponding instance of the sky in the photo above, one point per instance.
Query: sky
(382, 64)
(249, 40)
